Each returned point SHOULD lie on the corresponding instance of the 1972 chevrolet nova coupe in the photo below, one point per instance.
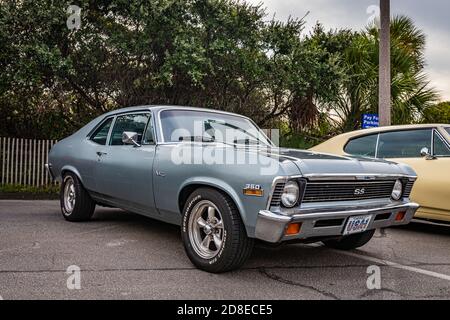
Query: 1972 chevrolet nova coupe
(219, 177)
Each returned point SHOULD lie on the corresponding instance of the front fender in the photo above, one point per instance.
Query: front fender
(218, 184)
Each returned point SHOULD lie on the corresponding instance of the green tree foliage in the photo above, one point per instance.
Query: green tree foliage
(439, 113)
(208, 53)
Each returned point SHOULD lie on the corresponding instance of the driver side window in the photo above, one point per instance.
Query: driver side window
(403, 144)
(129, 122)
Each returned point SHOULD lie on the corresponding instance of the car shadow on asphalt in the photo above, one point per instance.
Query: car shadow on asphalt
(289, 254)
(427, 228)
(282, 252)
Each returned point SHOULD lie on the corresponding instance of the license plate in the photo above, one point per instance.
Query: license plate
(357, 224)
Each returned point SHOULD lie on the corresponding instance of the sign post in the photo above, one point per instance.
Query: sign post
(384, 103)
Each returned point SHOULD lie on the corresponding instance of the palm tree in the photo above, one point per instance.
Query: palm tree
(410, 90)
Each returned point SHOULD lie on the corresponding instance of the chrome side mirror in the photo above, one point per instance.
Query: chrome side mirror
(129, 137)
(425, 152)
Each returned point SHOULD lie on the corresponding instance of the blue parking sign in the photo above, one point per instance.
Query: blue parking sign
(370, 121)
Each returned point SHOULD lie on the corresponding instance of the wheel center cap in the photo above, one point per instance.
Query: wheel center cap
(208, 229)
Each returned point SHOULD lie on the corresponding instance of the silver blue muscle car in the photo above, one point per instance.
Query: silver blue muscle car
(225, 183)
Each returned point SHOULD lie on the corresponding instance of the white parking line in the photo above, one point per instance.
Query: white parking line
(395, 265)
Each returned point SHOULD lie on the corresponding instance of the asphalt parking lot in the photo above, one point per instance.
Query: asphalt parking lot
(126, 256)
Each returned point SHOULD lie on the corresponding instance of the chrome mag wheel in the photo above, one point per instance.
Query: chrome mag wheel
(69, 195)
(205, 229)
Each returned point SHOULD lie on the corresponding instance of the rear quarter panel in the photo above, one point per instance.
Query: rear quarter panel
(432, 187)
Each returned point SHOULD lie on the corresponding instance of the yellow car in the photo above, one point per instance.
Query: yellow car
(426, 148)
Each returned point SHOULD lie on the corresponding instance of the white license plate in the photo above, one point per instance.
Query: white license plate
(357, 224)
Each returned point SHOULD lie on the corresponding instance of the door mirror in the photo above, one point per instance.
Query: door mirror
(425, 152)
(129, 137)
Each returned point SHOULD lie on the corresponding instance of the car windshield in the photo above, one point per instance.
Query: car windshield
(192, 125)
(447, 129)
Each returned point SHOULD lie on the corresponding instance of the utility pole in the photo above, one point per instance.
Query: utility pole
(384, 98)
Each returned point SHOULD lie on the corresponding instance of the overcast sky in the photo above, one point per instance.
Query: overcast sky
(432, 16)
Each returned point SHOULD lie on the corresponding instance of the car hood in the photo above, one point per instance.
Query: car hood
(320, 163)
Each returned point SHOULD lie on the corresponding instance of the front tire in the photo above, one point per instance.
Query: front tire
(350, 242)
(212, 231)
(76, 203)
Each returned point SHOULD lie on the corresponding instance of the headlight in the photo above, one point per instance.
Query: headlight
(397, 191)
(290, 194)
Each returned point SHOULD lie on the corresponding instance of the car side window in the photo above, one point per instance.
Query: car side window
(100, 135)
(403, 144)
(129, 122)
(440, 148)
(149, 137)
(363, 146)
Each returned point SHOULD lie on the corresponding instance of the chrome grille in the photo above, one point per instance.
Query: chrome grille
(408, 188)
(345, 190)
(276, 195)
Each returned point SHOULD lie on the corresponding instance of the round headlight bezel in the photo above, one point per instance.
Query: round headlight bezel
(397, 190)
(290, 195)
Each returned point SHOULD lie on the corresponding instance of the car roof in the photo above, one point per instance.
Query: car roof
(156, 108)
(363, 132)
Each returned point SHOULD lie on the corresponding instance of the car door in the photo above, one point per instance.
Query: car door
(96, 145)
(431, 189)
(124, 172)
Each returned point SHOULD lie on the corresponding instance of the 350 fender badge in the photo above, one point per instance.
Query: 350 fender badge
(251, 189)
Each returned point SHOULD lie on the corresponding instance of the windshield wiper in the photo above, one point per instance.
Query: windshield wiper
(196, 139)
(229, 125)
(204, 139)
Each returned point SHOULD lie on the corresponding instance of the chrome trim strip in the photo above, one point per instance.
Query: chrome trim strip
(376, 146)
(355, 177)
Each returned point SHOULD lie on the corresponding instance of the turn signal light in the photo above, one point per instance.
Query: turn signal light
(400, 216)
(253, 192)
(293, 228)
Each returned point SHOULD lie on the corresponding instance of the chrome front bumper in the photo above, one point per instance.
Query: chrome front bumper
(271, 226)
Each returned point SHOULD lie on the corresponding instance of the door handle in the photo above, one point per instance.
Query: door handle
(99, 153)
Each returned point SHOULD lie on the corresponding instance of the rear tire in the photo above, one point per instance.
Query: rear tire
(350, 242)
(212, 231)
(76, 203)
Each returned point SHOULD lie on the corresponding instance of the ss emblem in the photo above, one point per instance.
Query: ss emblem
(359, 192)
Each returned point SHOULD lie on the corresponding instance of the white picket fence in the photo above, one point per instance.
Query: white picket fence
(23, 160)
